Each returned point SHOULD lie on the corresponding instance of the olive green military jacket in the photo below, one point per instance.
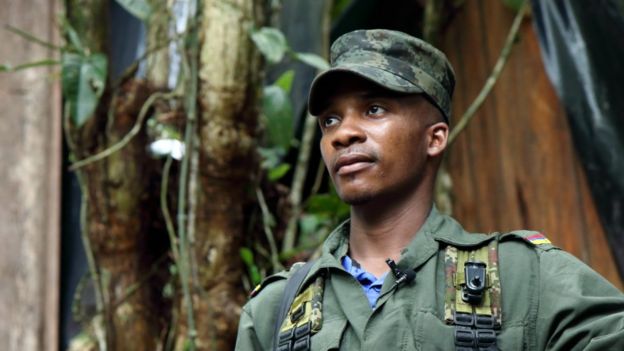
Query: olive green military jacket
(550, 300)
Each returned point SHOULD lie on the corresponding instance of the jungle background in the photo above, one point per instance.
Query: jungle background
(158, 161)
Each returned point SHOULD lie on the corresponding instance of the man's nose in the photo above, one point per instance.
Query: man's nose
(349, 132)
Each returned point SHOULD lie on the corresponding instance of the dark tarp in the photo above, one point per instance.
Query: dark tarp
(582, 46)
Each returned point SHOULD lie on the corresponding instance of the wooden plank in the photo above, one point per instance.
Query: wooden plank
(30, 152)
(515, 166)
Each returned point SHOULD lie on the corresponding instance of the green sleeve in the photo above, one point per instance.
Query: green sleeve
(578, 308)
(247, 340)
(257, 322)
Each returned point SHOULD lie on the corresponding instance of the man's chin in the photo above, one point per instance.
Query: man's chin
(355, 199)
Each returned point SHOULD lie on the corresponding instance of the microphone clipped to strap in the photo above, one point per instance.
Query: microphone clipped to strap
(402, 277)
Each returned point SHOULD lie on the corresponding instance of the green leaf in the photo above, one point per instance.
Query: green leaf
(173, 269)
(515, 5)
(312, 60)
(168, 290)
(271, 156)
(285, 80)
(188, 345)
(278, 172)
(140, 9)
(271, 42)
(278, 111)
(310, 223)
(327, 204)
(72, 35)
(247, 256)
(84, 80)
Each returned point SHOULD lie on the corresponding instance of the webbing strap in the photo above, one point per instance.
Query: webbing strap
(454, 268)
(293, 284)
(475, 320)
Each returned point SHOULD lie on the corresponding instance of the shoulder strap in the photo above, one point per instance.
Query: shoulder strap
(293, 284)
(534, 239)
(472, 302)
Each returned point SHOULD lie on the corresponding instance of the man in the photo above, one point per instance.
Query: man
(399, 275)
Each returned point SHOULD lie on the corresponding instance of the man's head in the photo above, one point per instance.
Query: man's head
(393, 60)
(383, 108)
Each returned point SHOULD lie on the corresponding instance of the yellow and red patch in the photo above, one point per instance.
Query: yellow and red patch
(255, 291)
(537, 239)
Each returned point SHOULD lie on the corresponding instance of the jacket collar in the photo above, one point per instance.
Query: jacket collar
(438, 229)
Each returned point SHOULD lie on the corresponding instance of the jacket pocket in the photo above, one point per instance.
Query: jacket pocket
(433, 334)
(328, 338)
(511, 338)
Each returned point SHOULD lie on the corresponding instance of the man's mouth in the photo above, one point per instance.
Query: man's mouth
(351, 163)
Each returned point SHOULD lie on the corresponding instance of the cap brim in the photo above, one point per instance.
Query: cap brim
(320, 89)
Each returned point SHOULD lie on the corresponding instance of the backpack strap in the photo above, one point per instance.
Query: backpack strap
(293, 285)
(472, 302)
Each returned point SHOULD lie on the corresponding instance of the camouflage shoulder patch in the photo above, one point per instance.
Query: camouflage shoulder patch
(535, 239)
(307, 308)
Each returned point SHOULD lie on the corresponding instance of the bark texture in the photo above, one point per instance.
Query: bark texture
(122, 203)
(123, 222)
(229, 77)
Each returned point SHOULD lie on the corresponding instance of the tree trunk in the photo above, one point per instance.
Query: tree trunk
(123, 223)
(229, 80)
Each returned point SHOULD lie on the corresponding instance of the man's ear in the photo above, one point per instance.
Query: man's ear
(437, 138)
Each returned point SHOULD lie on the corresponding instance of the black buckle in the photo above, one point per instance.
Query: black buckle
(464, 337)
(303, 330)
(483, 321)
(286, 336)
(298, 313)
(474, 285)
(302, 344)
(485, 338)
(465, 319)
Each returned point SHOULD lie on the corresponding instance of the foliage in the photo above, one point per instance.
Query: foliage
(271, 42)
(278, 110)
(273, 45)
(84, 79)
(83, 74)
(323, 210)
(278, 117)
(312, 60)
(248, 258)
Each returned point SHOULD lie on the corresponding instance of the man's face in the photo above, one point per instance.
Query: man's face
(375, 142)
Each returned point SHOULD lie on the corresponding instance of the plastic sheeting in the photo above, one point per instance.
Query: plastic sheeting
(582, 46)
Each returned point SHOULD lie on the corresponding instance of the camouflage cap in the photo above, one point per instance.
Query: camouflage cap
(394, 60)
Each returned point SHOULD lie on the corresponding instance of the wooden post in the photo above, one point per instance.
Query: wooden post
(30, 186)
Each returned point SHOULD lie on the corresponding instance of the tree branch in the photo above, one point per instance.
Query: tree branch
(489, 84)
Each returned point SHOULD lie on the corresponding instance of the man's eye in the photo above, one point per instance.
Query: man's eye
(329, 121)
(375, 110)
